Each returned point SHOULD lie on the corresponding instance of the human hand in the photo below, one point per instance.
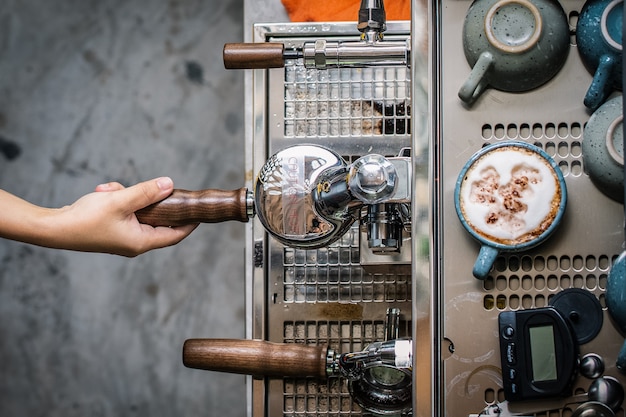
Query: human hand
(105, 221)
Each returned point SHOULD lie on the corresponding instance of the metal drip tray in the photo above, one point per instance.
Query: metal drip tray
(335, 295)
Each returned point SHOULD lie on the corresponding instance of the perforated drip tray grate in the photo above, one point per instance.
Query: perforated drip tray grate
(325, 296)
(578, 255)
(334, 274)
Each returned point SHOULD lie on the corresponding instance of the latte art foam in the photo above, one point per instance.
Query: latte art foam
(510, 195)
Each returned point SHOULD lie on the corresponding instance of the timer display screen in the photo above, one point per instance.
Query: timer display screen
(538, 354)
(542, 353)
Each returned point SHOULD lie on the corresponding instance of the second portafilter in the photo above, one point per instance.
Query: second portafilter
(306, 196)
(379, 377)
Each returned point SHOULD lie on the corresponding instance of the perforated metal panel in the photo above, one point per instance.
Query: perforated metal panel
(346, 101)
(334, 274)
(578, 255)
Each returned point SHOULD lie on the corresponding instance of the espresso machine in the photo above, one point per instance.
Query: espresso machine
(360, 293)
(330, 219)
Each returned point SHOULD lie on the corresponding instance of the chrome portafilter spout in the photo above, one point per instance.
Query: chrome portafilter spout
(392, 351)
(380, 376)
(380, 184)
(370, 50)
(384, 385)
(384, 224)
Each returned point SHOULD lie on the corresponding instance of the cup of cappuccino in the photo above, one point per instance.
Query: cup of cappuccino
(510, 196)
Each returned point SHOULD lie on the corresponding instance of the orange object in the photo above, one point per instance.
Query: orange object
(341, 10)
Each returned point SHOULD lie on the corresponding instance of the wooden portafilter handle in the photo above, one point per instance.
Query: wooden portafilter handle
(206, 206)
(254, 55)
(255, 357)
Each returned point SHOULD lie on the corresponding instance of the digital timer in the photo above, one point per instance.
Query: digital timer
(538, 352)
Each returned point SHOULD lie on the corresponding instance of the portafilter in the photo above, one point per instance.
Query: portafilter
(379, 377)
(305, 196)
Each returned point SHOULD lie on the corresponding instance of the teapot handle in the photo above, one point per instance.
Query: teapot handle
(599, 88)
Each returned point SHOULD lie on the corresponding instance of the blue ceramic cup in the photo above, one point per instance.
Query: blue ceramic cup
(603, 148)
(616, 302)
(510, 196)
(513, 45)
(599, 40)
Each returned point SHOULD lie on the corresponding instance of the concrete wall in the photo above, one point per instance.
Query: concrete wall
(118, 90)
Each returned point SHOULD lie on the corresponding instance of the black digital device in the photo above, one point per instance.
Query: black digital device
(539, 354)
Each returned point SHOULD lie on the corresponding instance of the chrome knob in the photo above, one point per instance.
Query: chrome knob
(372, 179)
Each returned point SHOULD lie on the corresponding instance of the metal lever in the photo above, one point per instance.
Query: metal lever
(371, 50)
(320, 54)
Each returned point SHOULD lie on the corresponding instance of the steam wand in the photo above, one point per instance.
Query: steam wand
(371, 50)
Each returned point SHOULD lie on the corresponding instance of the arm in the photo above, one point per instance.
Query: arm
(103, 221)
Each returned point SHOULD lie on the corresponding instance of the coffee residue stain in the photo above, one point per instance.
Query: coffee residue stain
(341, 311)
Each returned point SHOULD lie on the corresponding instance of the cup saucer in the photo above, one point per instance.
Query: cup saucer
(603, 149)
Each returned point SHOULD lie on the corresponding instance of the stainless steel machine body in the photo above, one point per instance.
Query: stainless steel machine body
(336, 295)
